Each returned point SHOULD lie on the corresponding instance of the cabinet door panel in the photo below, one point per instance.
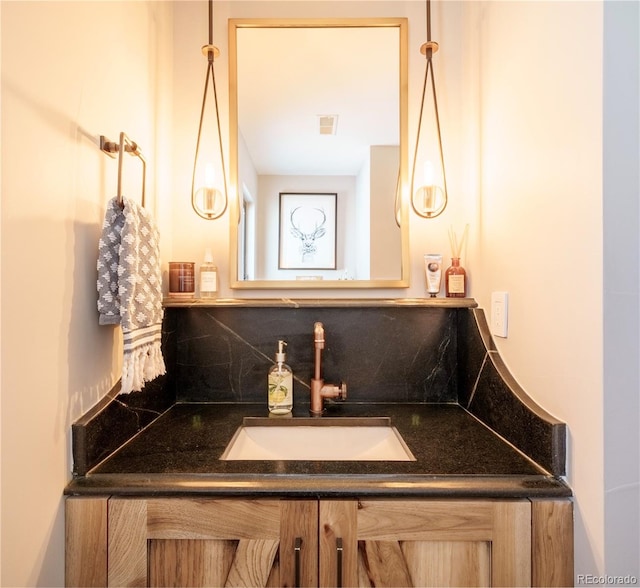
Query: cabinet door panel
(162, 542)
(385, 564)
(189, 562)
(424, 563)
(252, 562)
(445, 543)
(448, 563)
(202, 562)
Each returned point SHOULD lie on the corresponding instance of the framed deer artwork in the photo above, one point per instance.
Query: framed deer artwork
(307, 231)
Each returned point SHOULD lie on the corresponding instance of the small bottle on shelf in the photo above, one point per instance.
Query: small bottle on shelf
(456, 280)
(208, 277)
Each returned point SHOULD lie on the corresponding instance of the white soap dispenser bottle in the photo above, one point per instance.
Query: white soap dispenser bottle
(280, 384)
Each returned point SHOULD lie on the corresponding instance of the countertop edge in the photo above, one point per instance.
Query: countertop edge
(427, 486)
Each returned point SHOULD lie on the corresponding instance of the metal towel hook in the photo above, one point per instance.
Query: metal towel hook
(128, 146)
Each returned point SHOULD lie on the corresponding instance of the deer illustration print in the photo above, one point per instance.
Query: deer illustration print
(307, 225)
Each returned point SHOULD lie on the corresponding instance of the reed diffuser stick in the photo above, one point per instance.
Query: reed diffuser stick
(456, 247)
(452, 242)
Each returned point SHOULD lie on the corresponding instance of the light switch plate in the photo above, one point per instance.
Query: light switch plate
(499, 313)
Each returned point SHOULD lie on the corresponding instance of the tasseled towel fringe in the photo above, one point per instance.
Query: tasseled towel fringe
(140, 365)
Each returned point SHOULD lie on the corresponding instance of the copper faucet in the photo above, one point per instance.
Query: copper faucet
(320, 390)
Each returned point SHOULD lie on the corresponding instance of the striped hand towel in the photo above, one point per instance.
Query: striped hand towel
(130, 289)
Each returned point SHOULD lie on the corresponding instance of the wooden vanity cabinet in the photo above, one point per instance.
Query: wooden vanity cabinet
(121, 541)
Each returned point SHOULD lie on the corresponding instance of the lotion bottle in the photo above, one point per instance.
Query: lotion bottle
(280, 383)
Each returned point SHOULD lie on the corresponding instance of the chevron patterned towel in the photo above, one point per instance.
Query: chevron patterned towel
(130, 289)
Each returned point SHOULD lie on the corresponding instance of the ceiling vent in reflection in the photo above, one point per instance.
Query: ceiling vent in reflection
(328, 124)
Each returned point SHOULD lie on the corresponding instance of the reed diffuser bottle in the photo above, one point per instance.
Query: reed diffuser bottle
(456, 277)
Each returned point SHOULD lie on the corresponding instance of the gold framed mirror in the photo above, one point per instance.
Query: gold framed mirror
(318, 153)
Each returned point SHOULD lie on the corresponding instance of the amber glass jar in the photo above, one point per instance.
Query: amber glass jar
(455, 280)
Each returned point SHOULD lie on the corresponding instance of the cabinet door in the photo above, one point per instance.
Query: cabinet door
(207, 542)
(425, 543)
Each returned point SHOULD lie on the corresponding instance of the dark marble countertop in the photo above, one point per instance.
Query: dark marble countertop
(456, 456)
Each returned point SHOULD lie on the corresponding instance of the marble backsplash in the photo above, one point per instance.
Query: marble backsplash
(383, 354)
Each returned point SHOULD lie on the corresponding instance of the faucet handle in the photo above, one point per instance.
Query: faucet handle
(340, 391)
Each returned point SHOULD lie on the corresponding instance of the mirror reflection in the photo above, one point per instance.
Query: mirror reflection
(318, 151)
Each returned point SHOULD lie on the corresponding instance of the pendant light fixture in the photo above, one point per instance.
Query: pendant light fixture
(209, 199)
(428, 198)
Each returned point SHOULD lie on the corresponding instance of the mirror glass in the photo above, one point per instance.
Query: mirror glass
(318, 153)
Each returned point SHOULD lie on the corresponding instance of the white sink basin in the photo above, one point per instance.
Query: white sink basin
(328, 439)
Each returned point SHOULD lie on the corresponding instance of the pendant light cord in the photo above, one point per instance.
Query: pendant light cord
(210, 22)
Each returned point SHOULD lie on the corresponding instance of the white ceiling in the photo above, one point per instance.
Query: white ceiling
(289, 76)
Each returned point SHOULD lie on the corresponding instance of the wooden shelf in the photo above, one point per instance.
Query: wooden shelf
(441, 302)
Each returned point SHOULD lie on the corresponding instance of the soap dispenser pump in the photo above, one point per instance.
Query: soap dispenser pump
(280, 383)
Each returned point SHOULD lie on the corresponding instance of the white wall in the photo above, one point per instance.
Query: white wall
(71, 71)
(540, 222)
(385, 244)
(362, 227)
